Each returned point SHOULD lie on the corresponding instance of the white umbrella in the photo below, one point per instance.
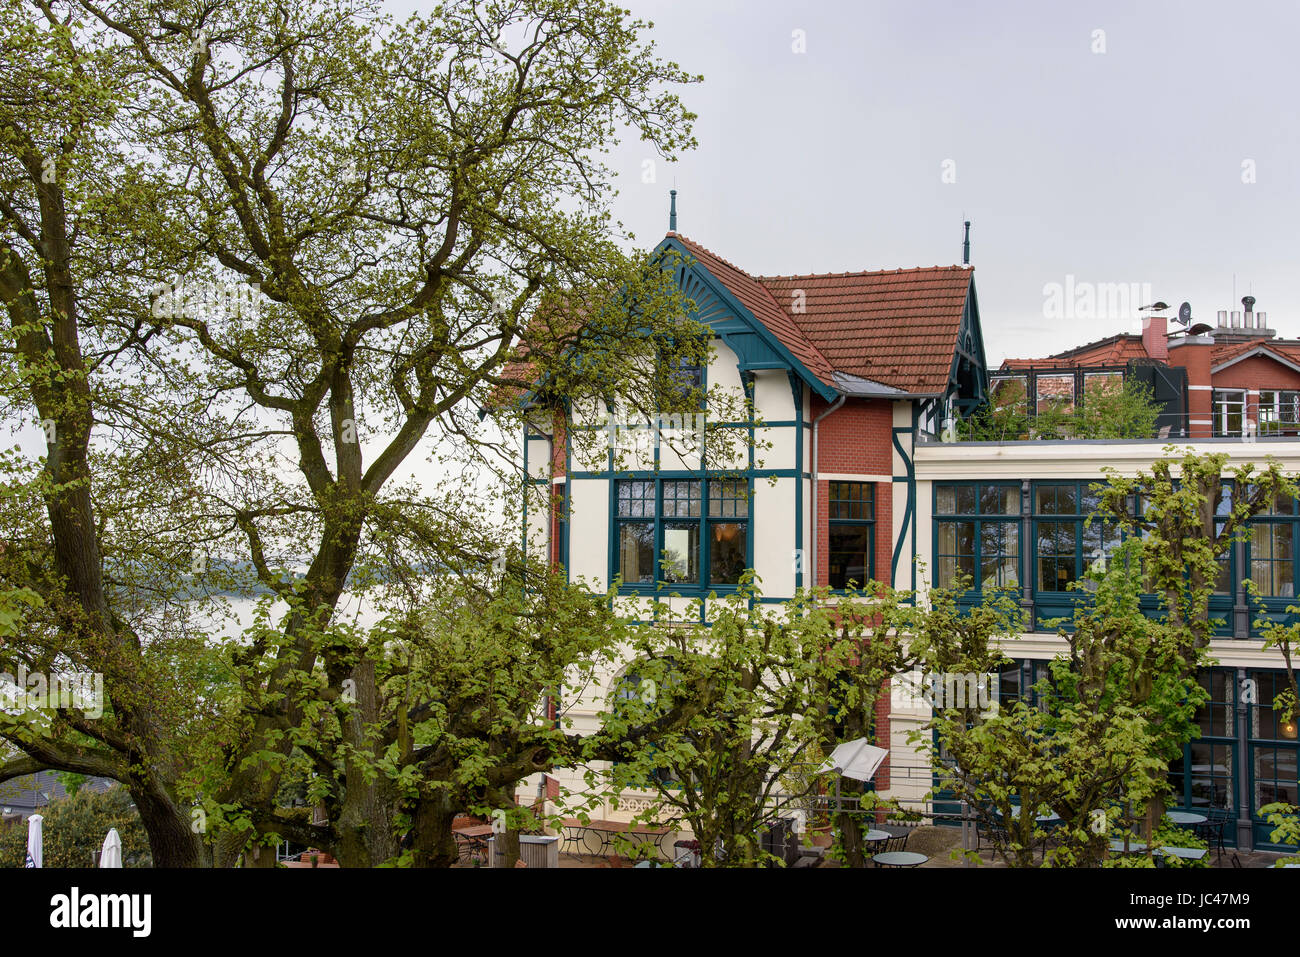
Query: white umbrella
(111, 855)
(35, 854)
(855, 759)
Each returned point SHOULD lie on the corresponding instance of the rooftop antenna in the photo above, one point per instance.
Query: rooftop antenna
(965, 246)
(672, 211)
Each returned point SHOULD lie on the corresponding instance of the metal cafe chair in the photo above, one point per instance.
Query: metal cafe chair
(1211, 830)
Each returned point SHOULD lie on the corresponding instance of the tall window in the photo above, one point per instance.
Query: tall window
(637, 511)
(1065, 547)
(1202, 777)
(728, 530)
(1229, 411)
(852, 536)
(977, 532)
(1272, 550)
(1274, 752)
(666, 532)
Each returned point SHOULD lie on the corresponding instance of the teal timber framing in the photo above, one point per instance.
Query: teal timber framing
(909, 512)
(796, 388)
(968, 378)
(755, 346)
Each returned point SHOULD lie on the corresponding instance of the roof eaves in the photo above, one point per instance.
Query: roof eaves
(823, 388)
(1257, 351)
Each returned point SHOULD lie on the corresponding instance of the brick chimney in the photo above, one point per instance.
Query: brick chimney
(1155, 337)
(1193, 354)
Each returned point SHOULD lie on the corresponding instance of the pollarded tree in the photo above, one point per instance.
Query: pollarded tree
(745, 703)
(394, 202)
(1121, 704)
(1192, 510)
(867, 644)
(1082, 744)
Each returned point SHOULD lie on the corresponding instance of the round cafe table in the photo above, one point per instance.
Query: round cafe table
(1186, 817)
(875, 835)
(899, 859)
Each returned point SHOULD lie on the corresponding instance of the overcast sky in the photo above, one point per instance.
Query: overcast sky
(1123, 166)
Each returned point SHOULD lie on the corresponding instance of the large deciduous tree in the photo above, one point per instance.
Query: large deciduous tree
(403, 211)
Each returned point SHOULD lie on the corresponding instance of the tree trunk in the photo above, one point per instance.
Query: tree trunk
(366, 819)
(434, 843)
(850, 831)
(172, 840)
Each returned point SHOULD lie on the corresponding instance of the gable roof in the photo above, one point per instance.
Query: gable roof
(1285, 351)
(891, 331)
(28, 794)
(898, 327)
(892, 327)
(758, 299)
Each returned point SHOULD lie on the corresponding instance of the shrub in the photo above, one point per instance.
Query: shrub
(75, 828)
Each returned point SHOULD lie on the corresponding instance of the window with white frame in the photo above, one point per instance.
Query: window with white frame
(1229, 411)
(1279, 411)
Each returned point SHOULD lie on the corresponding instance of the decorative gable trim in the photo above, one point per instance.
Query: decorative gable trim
(756, 346)
(1257, 351)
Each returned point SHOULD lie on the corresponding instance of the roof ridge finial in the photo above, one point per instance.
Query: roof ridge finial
(672, 211)
(965, 246)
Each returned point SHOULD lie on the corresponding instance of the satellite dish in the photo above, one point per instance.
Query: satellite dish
(1185, 313)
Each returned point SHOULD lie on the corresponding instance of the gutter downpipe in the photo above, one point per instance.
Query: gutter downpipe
(814, 524)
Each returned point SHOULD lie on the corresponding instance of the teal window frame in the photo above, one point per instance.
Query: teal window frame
(979, 517)
(1266, 744)
(1195, 776)
(1053, 604)
(671, 504)
(1256, 558)
(1073, 545)
(856, 510)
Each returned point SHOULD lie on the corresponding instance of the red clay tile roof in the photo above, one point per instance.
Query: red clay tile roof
(1288, 349)
(1119, 349)
(897, 327)
(758, 300)
(1113, 350)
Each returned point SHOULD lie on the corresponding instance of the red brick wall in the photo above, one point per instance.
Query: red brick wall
(560, 446)
(559, 455)
(856, 439)
(1258, 373)
(882, 737)
(1196, 360)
